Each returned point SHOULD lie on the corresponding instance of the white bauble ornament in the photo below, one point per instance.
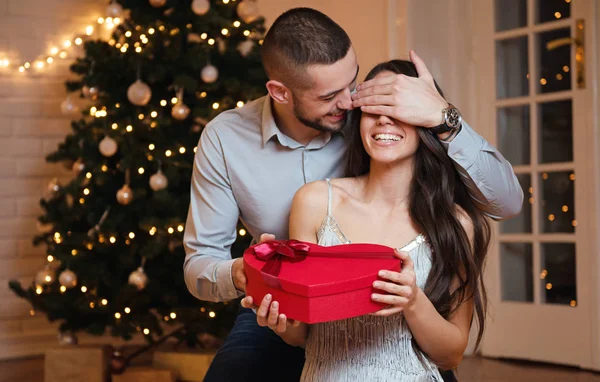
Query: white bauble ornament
(68, 279)
(68, 106)
(108, 147)
(53, 186)
(138, 278)
(43, 228)
(158, 181)
(78, 166)
(200, 7)
(90, 92)
(44, 277)
(248, 11)
(114, 9)
(67, 338)
(180, 111)
(245, 47)
(157, 3)
(209, 74)
(125, 195)
(139, 93)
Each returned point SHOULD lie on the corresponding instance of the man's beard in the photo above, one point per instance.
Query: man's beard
(317, 124)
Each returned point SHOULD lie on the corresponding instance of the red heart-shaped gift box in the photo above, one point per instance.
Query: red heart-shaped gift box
(313, 283)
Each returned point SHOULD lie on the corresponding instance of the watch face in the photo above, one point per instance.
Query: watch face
(453, 118)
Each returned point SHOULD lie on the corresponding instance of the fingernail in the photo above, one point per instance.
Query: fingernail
(381, 273)
(275, 304)
(268, 297)
(374, 296)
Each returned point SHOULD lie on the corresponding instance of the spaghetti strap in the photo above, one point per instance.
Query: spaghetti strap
(329, 192)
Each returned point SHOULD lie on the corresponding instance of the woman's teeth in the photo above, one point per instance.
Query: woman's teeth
(387, 137)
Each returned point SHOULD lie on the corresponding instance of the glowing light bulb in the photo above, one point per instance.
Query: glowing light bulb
(180, 228)
(50, 258)
(173, 315)
(224, 31)
(84, 289)
(182, 150)
(240, 104)
(117, 315)
(237, 24)
(151, 146)
(127, 310)
(168, 153)
(78, 41)
(89, 30)
(129, 128)
(215, 105)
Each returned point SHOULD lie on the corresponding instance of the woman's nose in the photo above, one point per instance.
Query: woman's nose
(384, 120)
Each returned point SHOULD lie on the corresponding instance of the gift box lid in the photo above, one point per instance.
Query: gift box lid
(329, 270)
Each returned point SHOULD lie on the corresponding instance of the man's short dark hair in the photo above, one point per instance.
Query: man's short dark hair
(298, 38)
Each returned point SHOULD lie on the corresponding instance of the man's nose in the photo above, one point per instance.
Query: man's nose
(345, 102)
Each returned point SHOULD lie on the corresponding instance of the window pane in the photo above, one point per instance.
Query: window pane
(512, 69)
(510, 14)
(554, 61)
(513, 134)
(516, 266)
(558, 275)
(557, 202)
(522, 222)
(556, 132)
(551, 10)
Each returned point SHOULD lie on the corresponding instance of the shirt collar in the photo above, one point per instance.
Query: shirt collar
(270, 130)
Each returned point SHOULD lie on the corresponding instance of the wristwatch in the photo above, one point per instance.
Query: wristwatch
(452, 120)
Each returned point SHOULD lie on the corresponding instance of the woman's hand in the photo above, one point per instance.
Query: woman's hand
(401, 287)
(268, 314)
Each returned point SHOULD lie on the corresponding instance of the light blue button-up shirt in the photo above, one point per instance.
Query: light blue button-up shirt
(246, 168)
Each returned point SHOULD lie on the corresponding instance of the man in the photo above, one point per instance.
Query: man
(251, 161)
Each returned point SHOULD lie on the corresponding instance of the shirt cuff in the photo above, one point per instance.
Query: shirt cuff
(465, 147)
(224, 279)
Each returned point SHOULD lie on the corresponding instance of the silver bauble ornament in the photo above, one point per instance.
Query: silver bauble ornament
(245, 47)
(68, 106)
(157, 3)
(139, 93)
(138, 278)
(67, 338)
(90, 92)
(68, 279)
(158, 181)
(108, 146)
(180, 111)
(125, 195)
(52, 189)
(114, 9)
(44, 277)
(209, 74)
(200, 7)
(248, 11)
(78, 166)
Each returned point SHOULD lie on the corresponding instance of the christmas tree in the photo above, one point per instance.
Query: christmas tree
(114, 233)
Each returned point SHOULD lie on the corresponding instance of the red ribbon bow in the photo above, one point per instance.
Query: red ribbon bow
(273, 252)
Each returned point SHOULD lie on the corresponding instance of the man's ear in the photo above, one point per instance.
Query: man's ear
(279, 92)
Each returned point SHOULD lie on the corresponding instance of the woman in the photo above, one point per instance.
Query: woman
(402, 191)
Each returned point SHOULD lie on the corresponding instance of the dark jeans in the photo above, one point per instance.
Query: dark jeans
(253, 353)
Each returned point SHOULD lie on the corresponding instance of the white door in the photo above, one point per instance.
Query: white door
(537, 92)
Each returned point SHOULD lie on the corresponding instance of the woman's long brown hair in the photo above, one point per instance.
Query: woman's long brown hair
(435, 190)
